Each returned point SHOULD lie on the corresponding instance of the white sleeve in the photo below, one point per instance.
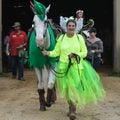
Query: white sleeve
(63, 23)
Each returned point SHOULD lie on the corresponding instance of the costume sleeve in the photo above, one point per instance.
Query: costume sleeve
(56, 51)
(63, 23)
(83, 48)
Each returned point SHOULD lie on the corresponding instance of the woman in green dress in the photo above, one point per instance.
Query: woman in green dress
(76, 79)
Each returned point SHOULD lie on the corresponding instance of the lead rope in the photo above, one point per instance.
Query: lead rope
(78, 67)
(59, 73)
(77, 58)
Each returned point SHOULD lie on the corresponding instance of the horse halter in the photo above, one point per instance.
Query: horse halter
(45, 23)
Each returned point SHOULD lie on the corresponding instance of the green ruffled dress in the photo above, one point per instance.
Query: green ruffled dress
(79, 84)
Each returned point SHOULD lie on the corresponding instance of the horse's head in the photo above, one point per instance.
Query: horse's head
(40, 22)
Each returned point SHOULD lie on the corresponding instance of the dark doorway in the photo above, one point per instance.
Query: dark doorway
(101, 11)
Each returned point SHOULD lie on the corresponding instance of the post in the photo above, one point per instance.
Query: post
(116, 63)
(0, 36)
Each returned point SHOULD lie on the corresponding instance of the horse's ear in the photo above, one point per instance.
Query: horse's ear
(47, 9)
(32, 9)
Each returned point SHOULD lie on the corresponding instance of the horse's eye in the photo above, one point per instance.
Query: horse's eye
(45, 21)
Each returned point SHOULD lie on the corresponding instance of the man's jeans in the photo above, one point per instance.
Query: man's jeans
(17, 64)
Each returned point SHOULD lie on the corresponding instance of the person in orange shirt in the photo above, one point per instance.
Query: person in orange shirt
(17, 41)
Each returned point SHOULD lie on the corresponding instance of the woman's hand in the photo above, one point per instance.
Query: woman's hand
(71, 55)
(45, 52)
(92, 51)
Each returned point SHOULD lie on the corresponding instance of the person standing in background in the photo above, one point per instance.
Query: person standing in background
(95, 48)
(6, 58)
(17, 41)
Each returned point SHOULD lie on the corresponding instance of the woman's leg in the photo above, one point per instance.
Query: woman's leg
(72, 111)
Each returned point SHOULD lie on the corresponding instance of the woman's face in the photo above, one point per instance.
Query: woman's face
(71, 27)
(92, 34)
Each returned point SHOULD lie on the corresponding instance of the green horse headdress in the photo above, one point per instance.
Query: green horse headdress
(40, 9)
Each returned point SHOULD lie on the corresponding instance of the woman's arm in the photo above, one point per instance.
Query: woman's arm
(83, 48)
(56, 51)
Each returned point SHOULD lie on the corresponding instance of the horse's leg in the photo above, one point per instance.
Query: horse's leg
(54, 95)
(41, 90)
(51, 83)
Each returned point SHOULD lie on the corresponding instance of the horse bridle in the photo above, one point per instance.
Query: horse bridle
(46, 22)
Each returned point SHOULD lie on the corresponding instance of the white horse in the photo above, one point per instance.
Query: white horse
(42, 37)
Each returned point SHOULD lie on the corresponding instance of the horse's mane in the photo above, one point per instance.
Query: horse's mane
(56, 28)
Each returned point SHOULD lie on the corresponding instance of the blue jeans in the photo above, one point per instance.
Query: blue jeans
(95, 62)
(17, 65)
(9, 67)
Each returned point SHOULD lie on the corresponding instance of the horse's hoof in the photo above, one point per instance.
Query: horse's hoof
(52, 102)
(68, 114)
(42, 108)
(48, 104)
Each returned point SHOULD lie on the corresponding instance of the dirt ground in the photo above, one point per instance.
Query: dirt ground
(19, 101)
